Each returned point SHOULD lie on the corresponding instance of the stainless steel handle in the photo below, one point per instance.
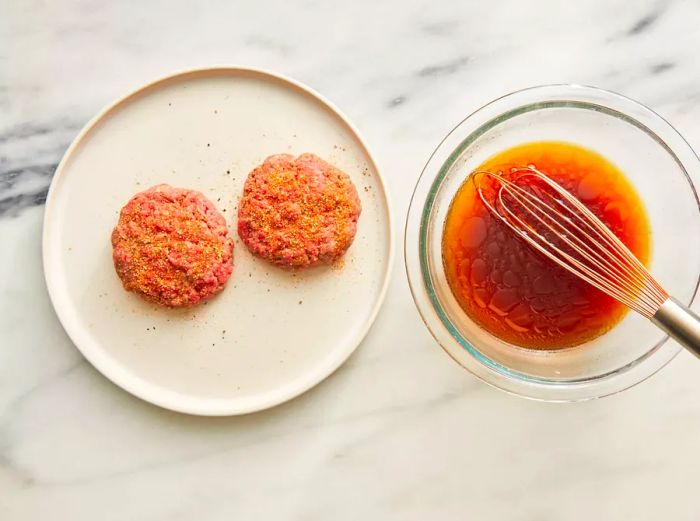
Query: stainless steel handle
(680, 323)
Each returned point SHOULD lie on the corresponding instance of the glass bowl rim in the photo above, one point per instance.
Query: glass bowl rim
(451, 147)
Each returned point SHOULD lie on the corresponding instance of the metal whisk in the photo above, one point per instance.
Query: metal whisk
(558, 225)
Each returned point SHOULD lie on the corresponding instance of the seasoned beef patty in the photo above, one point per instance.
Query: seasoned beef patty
(298, 212)
(171, 246)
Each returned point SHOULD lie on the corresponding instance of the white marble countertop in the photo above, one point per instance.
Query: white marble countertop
(400, 432)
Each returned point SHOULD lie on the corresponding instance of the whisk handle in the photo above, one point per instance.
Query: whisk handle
(680, 323)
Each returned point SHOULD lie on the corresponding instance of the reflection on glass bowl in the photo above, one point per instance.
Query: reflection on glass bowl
(658, 162)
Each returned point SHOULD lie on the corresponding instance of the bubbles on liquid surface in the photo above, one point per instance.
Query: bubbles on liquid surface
(515, 293)
(473, 232)
(503, 301)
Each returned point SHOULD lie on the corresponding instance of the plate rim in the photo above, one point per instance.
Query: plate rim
(229, 407)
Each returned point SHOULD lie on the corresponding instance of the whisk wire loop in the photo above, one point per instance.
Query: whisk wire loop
(562, 228)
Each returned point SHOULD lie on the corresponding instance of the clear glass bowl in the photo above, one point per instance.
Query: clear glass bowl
(658, 162)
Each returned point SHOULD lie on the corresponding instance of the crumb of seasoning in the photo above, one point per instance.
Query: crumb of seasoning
(300, 301)
(228, 171)
(208, 144)
(170, 104)
(216, 111)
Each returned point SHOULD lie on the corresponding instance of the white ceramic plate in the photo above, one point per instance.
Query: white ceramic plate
(270, 335)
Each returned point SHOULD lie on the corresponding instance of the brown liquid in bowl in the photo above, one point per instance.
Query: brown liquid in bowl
(516, 293)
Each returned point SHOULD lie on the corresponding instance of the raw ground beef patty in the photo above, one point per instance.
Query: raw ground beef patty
(299, 212)
(171, 246)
